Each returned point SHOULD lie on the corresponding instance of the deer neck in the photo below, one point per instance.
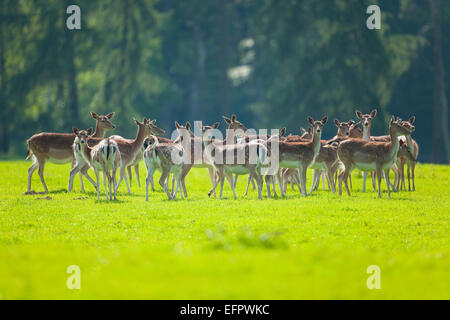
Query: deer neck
(410, 144)
(366, 133)
(139, 140)
(86, 152)
(316, 144)
(394, 144)
(99, 131)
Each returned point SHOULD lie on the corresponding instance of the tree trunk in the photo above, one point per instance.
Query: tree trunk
(441, 138)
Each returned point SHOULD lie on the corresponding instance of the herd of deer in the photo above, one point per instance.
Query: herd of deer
(352, 147)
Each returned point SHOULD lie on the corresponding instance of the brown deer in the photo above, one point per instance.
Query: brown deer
(104, 156)
(57, 148)
(254, 156)
(300, 155)
(371, 156)
(130, 148)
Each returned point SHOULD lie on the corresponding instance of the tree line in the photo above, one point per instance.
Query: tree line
(271, 62)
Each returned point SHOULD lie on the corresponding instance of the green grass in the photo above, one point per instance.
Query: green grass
(200, 248)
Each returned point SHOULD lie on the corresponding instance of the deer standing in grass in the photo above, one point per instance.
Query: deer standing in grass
(104, 156)
(169, 158)
(371, 155)
(57, 148)
(130, 148)
(366, 122)
(253, 156)
(300, 155)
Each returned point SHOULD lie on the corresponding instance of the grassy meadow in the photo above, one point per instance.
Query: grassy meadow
(317, 247)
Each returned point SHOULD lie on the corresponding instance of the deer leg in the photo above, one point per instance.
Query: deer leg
(364, 181)
(231, 182)
(268, 181)
(126, 182)
(73, 172)
(248, 184)
(322, 174)
(114, 181)
(129, 174)
(350, 179)
(345, 177)
(216, 182)
(98, 184)
(413, 167)
(41, 174)
(149, 178)
(136, 171)
(374, 185)
(122, 175)
(259, 182)
(408, 170)
(314, 180)
(163, 183)
(379, 176)
(221, 178)
(388, 182)
(340, 178)
(235, 179)
(303, 180)
(84, 170)
(104, 184)
(331, 184)
(31, 170)
(211, 177)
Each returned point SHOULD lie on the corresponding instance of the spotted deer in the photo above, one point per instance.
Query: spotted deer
(169, 158)
(254, 157)
(130, 148)
(104, 156)
(366, 122)
(300, 155)
(57, 148)
(371, 155)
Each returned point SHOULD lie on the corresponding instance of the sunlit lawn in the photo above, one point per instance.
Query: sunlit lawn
(200, 248)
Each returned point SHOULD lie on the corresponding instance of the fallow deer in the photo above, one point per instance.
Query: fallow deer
(169, 158)
(130, 148)
(372, 156)
(57, 148)
(366, 122)
(104, 156)
(255, 155)
(300, 155)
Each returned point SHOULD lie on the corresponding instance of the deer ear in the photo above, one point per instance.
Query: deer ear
(412, 119)
(110, 115)
(351, 122)
(188, 125)
(282, 131)
(373, 113)
(94, 115)
(302, 130)
(358, 114)
(75, 130)
(336, 122)
(310, 120)
(152, 122)
(145, 120)
(227, 120)
(215, 125)
(137, 122)
(89, 131)
(177, 125)
(324, 120)
(233, 117)
(309, 130)
(392, 118)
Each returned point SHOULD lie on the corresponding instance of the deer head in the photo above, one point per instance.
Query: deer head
(366, 119)
(81, 135)
(317, 125)
(103, 122)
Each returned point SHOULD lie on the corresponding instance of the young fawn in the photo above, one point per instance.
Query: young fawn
(372, 156)
(104, 156)
(300, 155)
(130, 148)
(57, 148)
(246, 158)
(169, 158)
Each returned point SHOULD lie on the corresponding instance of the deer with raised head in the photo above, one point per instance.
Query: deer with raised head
(300, 155)
(57, 148)
(105, 157)
(130, 148)
(371, 155)
(253, 155)
(169, 158)
(366, 122)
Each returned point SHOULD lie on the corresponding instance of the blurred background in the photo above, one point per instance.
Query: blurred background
(271, 62)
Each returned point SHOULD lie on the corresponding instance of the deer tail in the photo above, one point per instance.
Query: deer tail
(29, 153)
